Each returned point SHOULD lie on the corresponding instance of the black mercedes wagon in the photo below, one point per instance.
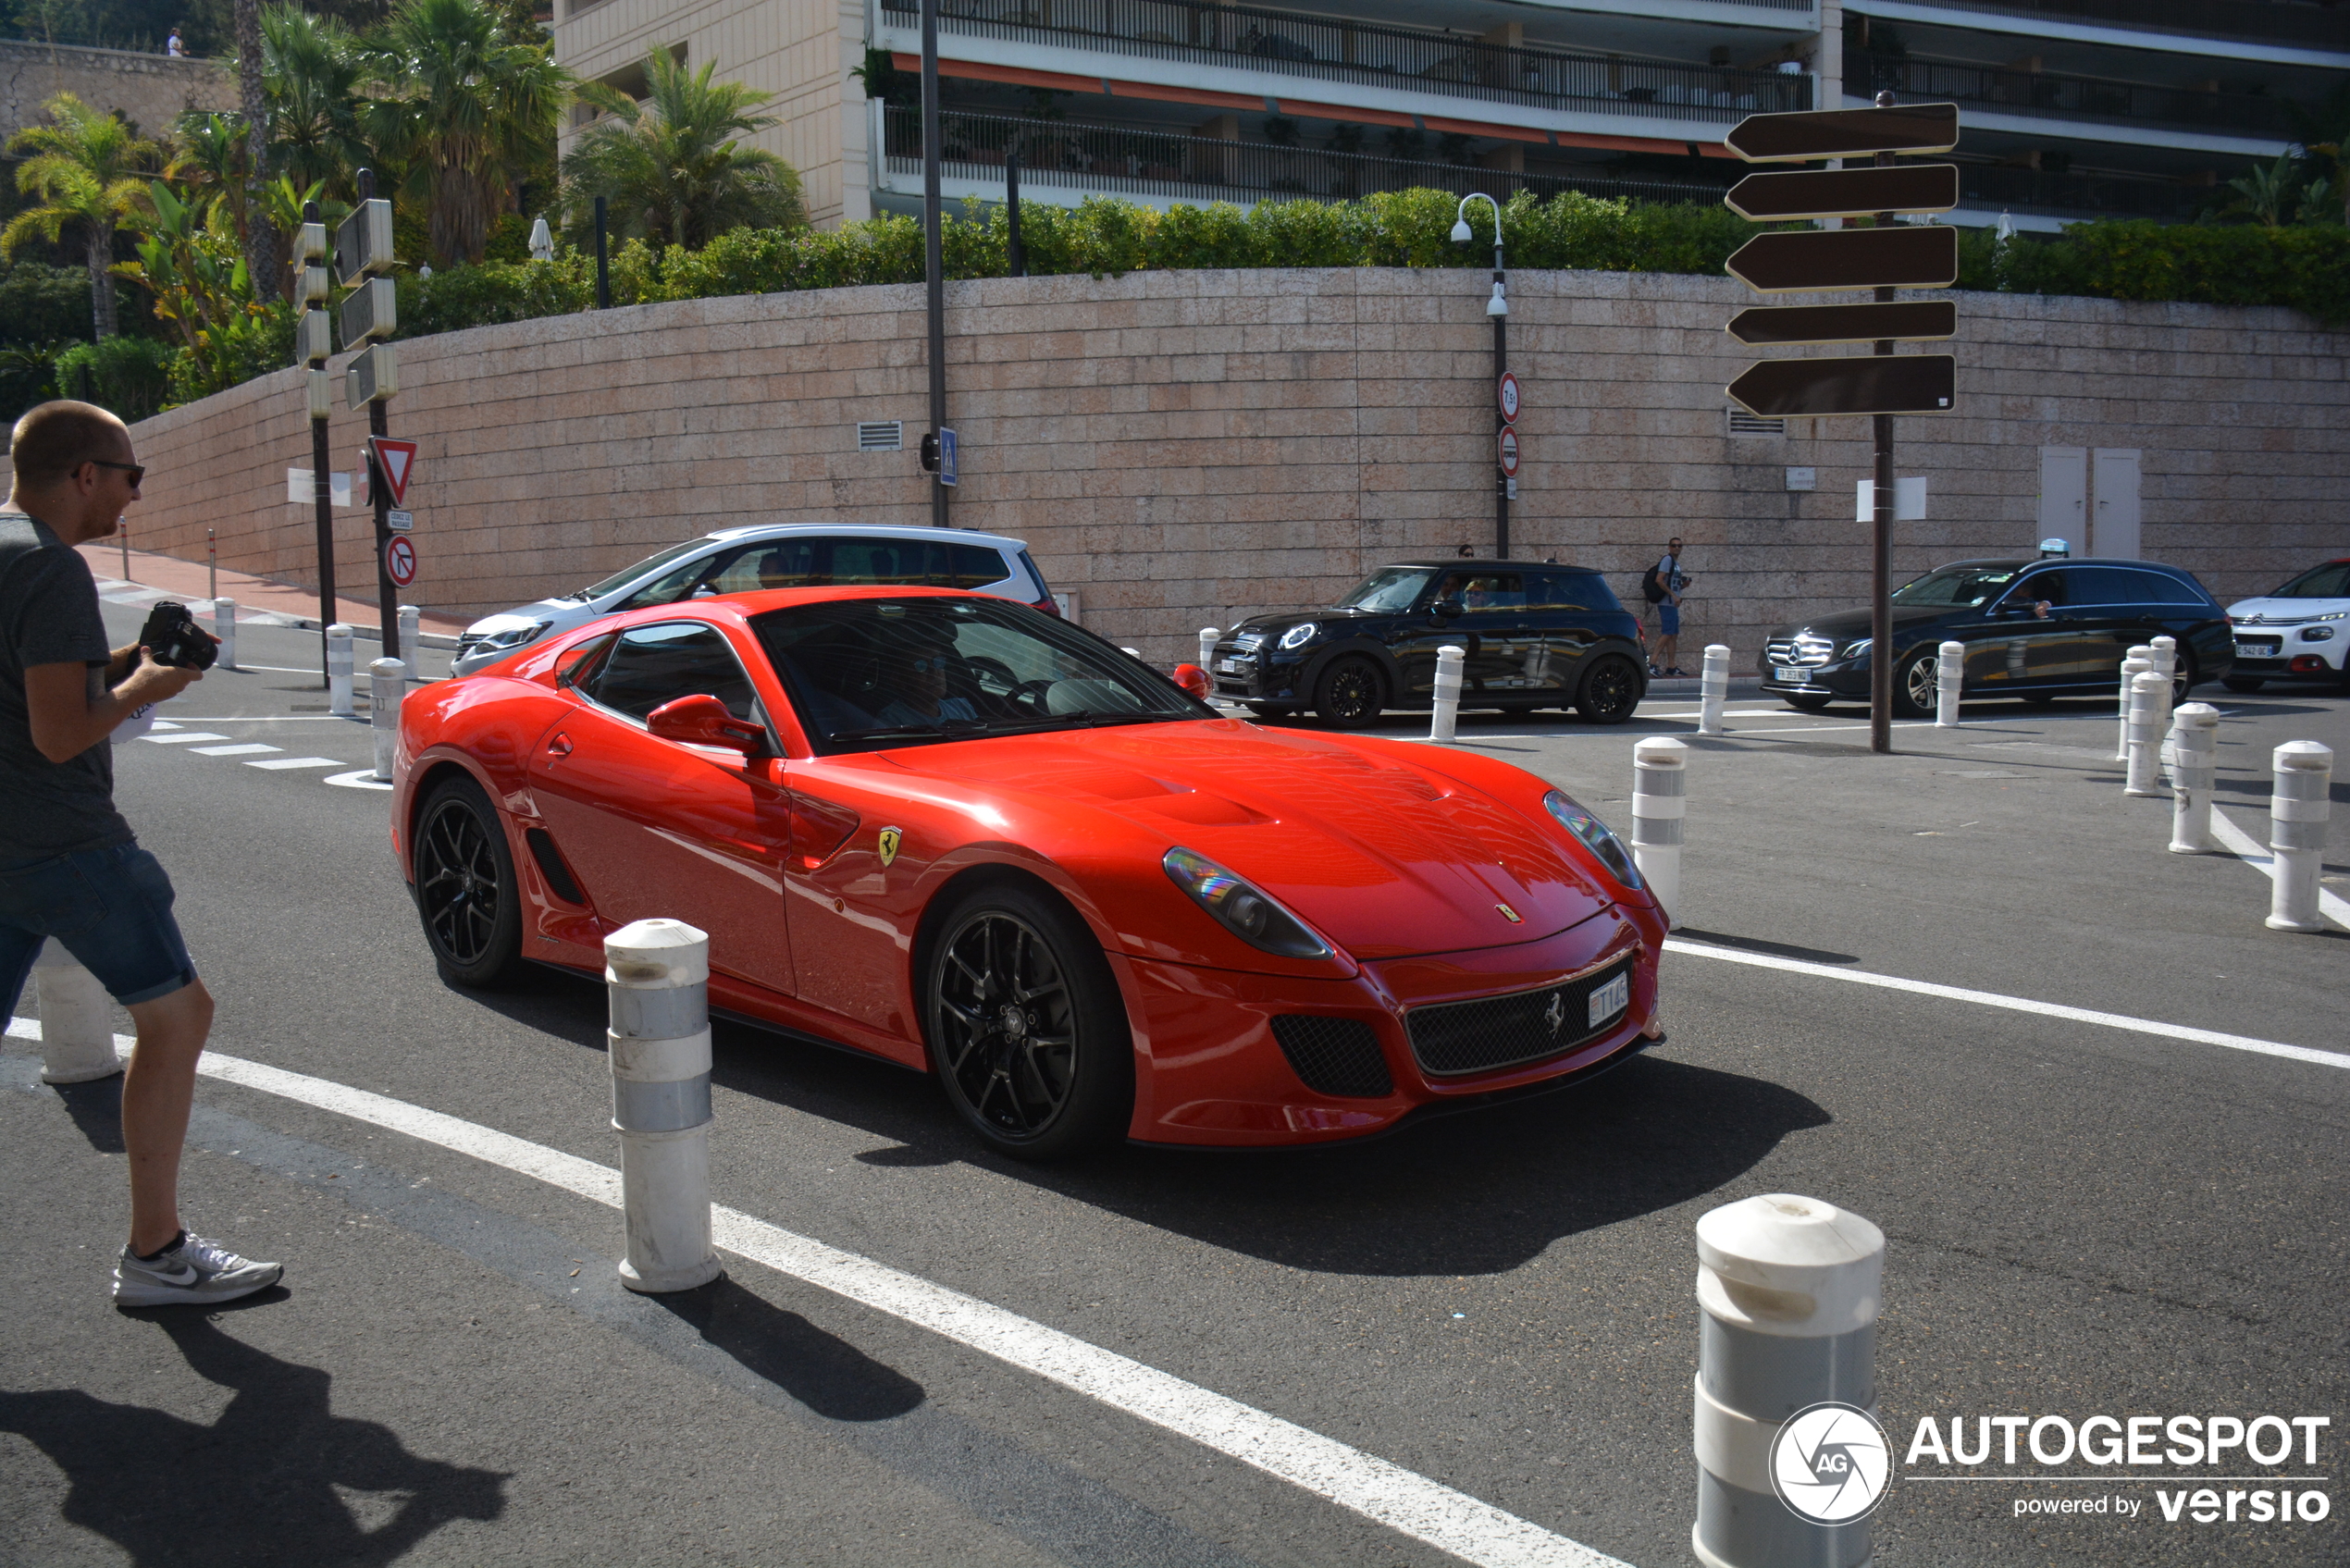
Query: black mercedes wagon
(1535, 635)
(2032, 629)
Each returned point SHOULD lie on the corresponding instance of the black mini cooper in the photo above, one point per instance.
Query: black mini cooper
(2032, 629)
(1535, 635)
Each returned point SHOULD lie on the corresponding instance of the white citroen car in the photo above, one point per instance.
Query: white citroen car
(2295, 634)
(778, 555)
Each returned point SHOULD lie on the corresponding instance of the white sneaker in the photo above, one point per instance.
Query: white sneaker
(194, 1273)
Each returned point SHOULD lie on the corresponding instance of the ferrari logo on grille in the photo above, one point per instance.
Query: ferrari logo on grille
(1556, 1015)
(1509, 914)
(888, 843)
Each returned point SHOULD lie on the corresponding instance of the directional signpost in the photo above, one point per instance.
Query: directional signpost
(1882, 258)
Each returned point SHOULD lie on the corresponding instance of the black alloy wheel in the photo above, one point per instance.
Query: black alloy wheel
(465, 890)
(2183, 676)
(1351, 693)
(1611, 689)
(1810, 702)
(1914, 682)
(1026, 1031)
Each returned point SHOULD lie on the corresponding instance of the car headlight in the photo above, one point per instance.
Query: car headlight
(1595, 836)
(1854, 650)
(510, 636)
(1300, 634)
(1246, 912)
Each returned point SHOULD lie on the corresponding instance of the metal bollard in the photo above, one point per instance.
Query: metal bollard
(77, 1028)
(1660, 798)
(411, 625)
(2137, 664)
(386, 684)
(2145, 736)
(1949, 678)
(1790, 1459)
(339, 701)
(1208, 636)
(1440, 723)
(224, 626)
(658, 975)
(2297, 812)
(2194, 757)
(1712, 689)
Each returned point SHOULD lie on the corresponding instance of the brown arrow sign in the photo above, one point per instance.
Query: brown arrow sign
(1856, 384)
(1836, 133)
(1845, 192)
(1766, 324)
(1904, 257)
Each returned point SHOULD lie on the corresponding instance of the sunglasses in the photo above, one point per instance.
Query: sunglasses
(137, 471)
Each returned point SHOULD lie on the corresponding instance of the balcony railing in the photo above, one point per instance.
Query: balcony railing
(2266, 21)
(1333, 49)
(2068, 97)
(1207, 168)
(1988, 187)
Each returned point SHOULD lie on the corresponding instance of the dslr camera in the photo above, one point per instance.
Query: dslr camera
(173, 636)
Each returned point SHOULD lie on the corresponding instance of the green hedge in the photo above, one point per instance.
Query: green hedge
(2307, 268)
(132, 377)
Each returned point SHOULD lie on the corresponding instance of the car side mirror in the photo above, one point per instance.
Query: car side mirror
(702, 719)
(1445, 608)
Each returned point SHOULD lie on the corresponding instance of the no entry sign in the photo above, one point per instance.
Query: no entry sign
(399, 559)
(1509, 453)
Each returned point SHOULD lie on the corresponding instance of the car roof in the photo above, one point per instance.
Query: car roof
(858, 530)
(1465, 563)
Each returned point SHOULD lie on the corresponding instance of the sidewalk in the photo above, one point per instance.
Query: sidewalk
(259, 599)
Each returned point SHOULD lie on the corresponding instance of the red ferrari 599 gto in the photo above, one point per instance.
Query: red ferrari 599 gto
(975, 839)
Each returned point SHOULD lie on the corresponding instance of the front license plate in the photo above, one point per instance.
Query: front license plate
(2256, 650)
(1791, 674)
(1610, 999)
(1231, 666)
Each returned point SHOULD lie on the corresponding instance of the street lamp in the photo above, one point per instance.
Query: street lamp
(1497, 307)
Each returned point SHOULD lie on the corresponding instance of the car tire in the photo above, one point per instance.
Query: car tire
(465, 890)
(1350, 694)
(1913, 682)
(1809, 704)
(1024, 1025)
(2246, 683)
(1610, 690)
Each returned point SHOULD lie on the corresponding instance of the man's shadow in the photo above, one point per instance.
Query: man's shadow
(263, 1476)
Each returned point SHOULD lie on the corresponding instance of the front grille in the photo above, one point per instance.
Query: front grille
(1336, 1057)
(1807, 650)
(1500, 1031)
(1247, 640)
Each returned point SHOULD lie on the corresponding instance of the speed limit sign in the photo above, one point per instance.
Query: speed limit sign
(399, 559)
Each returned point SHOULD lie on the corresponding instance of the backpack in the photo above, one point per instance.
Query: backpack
(1654, 588)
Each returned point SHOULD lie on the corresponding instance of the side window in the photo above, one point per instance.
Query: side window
(2159, 587)
(1560, 590)
(973, 566)
(679, 582)
(898, 563)
(652, 665)
(2103, 586)
(578, 664)
(784, 563)
(1485, 590)
(2053, 587)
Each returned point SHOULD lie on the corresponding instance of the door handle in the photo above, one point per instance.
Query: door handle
(559, 746)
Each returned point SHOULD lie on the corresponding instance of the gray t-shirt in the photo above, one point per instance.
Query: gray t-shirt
(49, 615)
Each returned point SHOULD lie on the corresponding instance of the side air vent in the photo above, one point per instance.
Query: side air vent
(559, 881)
(1335, 1056)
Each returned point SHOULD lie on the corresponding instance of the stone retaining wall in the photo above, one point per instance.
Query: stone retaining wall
(149, 90)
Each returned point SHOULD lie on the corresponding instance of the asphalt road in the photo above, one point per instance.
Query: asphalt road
(2081, 1219)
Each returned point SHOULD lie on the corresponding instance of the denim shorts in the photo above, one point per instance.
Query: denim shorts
(110, 909)
(1668, 620)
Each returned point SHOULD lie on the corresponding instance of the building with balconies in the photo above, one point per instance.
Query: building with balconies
(2073, 108)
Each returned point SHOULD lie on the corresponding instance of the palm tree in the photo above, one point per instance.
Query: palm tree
(670, 165)
(464, 108)
(208, 155)
(86, 169)
(253, 100)
(2267, 194)
(311, 69)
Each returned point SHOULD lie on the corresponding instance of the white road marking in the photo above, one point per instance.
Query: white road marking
(2012, 1003)
(180, 739)
(276, 763)
(1388, 1494)
(2244, 847)
(359, 778)
(243, 748)
(266, 719)
(169, 724)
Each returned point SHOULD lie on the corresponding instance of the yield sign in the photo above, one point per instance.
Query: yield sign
(396, 461)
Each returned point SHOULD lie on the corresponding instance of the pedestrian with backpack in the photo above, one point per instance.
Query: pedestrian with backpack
(1663, 586)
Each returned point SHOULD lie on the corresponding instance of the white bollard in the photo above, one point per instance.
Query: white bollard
(1659, 799)
(1712, 688)
(224, 626)
(2145, 704)
(2194, 757)
(2297, 812)
(2137, 664)
(1787, 1292)
(411, 624)
(339, 700)
(1208, 636)
(1949, 679)
(1447, 714)
(657, 974)
(386, 684)
(77, 1025)
(2164, 652)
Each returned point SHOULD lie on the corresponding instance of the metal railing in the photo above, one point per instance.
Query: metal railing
(1206, 168)
(1335, 49)
(2067, 97)
(2271, 21)
(1991, 188)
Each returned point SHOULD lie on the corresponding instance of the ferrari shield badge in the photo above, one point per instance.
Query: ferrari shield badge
(888, 843)
(1508, 914)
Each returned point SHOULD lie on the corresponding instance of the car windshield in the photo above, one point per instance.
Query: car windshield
(650, 564)
(1397, 588)
(871, 673)
(2329, 581)
(1959, 587)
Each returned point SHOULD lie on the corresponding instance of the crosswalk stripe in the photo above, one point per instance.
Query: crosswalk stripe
(247, 748)
(181, 739)
(276, 762)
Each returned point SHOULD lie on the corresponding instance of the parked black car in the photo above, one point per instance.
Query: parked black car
(2034, 629)
(1536, 634)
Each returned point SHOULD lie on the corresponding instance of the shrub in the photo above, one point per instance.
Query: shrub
(132, 377)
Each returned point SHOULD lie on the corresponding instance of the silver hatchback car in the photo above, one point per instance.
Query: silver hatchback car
(778, 555)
